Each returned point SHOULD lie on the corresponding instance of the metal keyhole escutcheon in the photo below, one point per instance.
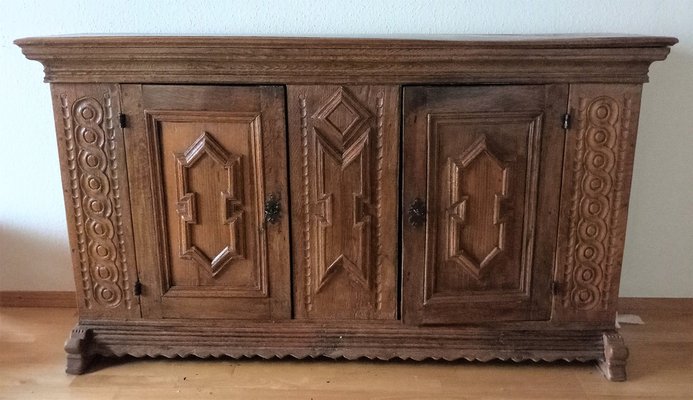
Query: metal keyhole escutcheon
(273, 210)
(417, 212)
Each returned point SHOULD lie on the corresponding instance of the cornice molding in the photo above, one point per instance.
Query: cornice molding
(435, 59)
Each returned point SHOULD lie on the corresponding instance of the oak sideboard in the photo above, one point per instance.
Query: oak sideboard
(425, 197)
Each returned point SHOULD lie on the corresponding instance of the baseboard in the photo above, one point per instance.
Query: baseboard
(38, 299)
(670, 304)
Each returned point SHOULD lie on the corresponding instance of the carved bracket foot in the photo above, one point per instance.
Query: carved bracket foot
(613, 365)
(77, 349)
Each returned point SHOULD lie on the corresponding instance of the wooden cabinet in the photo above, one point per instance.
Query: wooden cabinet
(400, 198)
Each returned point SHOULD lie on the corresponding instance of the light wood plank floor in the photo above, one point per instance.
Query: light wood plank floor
(32, 364)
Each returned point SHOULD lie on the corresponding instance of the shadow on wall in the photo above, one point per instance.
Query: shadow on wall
(34, 261)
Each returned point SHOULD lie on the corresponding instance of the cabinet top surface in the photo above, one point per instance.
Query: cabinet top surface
(451, 59)
(495, 41)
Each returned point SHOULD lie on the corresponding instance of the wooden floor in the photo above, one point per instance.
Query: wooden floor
(32, 364)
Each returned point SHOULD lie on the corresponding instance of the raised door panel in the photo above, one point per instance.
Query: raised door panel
(216, 156)
(344, 156)
(212, 178)
(97, 200)
(484, 162)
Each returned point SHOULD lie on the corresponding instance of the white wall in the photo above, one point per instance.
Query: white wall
(34, 252)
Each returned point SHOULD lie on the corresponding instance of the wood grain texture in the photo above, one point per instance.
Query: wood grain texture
(32, 362)
(213, 156)
(473, 59)
(486, 159)
(344, 159)
(56, 299)
(274, 220)
(304, 339)
(597, 173)
(97, 202)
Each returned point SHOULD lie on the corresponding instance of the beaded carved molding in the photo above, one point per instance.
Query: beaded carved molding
(598, 189)
(89, 137)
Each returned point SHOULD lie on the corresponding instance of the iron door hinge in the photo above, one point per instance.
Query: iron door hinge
(123, 120)
(138, 288)
(566, 121)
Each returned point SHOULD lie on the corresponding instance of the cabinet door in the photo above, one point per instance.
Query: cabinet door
(205, 160)
(344, 156)
(481, 183)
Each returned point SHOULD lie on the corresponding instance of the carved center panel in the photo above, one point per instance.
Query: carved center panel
(93, 135)
(231, 207)
(596, 161)
(343, 197)
(476, 230)
(483, 168)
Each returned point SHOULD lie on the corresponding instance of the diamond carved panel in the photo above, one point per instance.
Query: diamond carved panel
(478, 183)
(346, 139)
(231, 212)
(341, 120)
(342, 151)
(342, 117)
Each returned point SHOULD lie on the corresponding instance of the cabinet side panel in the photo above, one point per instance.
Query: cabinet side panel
(597, 175)
(97, 202)
(343, 145)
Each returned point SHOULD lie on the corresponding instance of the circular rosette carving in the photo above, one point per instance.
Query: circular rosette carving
(96, 203)
(598, 141)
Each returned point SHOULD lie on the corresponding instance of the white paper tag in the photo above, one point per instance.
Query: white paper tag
(628, 319)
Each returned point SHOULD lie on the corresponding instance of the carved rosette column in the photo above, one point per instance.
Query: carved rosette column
(597, 176)
(592, 226)
(97, 204)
